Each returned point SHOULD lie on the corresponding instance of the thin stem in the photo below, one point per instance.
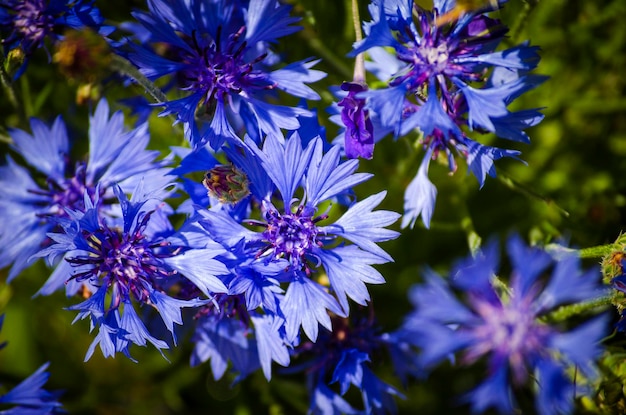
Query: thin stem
(518, 187)
(124, 67)
(565, 312)
(597, 251)
(7, 85)
(359, 64)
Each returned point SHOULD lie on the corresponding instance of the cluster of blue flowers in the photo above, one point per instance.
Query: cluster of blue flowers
(272, 259)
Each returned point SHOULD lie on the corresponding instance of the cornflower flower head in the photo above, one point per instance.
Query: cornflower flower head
(291, 188)
(219, 53)
(512, 331)
(136, 261)
(447, 79)
(28, 396)
(29, 22)
(342, 357)
(31, 203)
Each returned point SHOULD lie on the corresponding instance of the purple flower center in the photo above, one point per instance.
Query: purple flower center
(291, 235)
(509, 331)
(221, 68)
(31, 21)
(434, 57)
(125, 261)
(68, 193)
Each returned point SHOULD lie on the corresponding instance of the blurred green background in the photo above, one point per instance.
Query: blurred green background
(573, 186)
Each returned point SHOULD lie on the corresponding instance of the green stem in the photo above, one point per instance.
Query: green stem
(359, 62)
(518, 187)
(567, 311)
(7, 85)
(598, 251)
(124, 67)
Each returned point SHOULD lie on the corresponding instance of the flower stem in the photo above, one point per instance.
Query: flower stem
(565, 312)
(518, 187)
(124, 67)
(597, 251)
(359, 63)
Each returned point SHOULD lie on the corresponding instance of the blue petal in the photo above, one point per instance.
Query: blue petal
(364, 227)
(201, 268)
(306, 304)
(528, 263)
(327, 178)
(581, 346)
(349, 269)
(349, 369)
(286, 164)
(170, 308)
(568, 284)
(326, 402)
(46, 149)
(268, 20)
(480, 159)
(270, 343)
(494, 392)
(292, 78)
(555, 390)
(419, 197)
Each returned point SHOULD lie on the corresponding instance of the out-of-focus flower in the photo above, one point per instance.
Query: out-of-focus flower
(30, 203)
(445, 80)
(219, 53)
(510, 329)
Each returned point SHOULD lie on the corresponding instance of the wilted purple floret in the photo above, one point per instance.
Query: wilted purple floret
(446, 80)
(137, 261)
(292, 230)
(219, 53)
(359, 130)
(509, 330)
(117, 156)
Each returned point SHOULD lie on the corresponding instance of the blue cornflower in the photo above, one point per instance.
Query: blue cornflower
(342, 357)
(290, 229)
(29, 397)
(511, 330)
(447, 79)
(135, 261)
(116, 156)
(26, 23)
(219, 53)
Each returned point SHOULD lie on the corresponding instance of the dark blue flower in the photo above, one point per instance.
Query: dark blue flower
(342, 358)
(509, 329)
(443, 80)
(291, 229)
(228, 330)
(219, 53)
(116, 156)
(137, 260)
